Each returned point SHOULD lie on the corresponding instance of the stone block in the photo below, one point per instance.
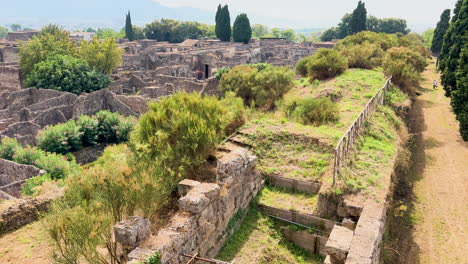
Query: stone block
(199, 197)
(131, 231)
(339, 242)
(349, 223)
(185, 186)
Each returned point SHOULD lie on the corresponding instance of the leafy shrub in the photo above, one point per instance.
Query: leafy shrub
(104, 127)
(404, 65)
(61, 138)
(235, 112)
(153, 259)
(66, 73)
(259, 66)
(324, 64)
(219, 72)
(28, 156)
(8, 148)
(315, 111)
(382, 40)
(259, 84)
(88, 127)
(365, 55)
(29, 186)
(301, 66)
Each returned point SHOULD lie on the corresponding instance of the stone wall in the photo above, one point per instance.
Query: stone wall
(310, 242)
(9, 77)
(201, 224)
(9, 54)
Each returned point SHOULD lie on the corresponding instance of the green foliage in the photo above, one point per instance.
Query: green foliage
(3, 32)
(219, 73)
(104, 33)
(358, 21)
(103, 56)
(242, 32)
(138, 33)
(404, 65)
(236, 114)
(329, 34)
(104, 127)
(66, 73)
(259, 31)
(289, 34)
(301, 66)
(384, 41)
(454, 41)
(460, 96)
(61, 138)
(57, 166)
(39, 48)
(387, 25)
(129, 28)
(260, 84)
(55, 30)
(223, 23)
(175, 31)
(29, 186)
(153, 259)
(15, 27)
(428, 37)
(316, 111)
(415, 42)
(365, 56)
(8, 147)
(324, 64)
(440, 30)
(395, 96)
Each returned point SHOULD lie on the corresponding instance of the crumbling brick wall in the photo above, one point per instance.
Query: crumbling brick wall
(201, 225)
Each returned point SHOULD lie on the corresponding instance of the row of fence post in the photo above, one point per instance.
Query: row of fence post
(348, 140)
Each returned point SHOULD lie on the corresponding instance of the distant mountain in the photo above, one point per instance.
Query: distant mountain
(109, 13)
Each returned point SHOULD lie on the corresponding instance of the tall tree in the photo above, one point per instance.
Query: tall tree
(359, 18)
(453, 43)
(129, 28)
(242, 30)
(460, 96)
(448, 38)
(223, 24)
(15, 27)
(440, 30)
(217, 24)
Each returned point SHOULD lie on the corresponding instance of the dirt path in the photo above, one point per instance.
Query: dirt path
(438, 213)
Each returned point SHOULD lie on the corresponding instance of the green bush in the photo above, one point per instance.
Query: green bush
(324, 64)
(66, 73)
(29, 186)
(104, 127)
(61, 138)
(259, 84)
(236, 114)
(301, 66)
(28, 156)
(88, 127)
(8, 148)
(365, 55)
(404, 65)
(382, 40)
(314, 111)
(219, 72)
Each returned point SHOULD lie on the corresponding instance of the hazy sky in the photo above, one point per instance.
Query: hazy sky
(324, 13)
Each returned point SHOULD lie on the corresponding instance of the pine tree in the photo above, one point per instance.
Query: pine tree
(448, 38)
(460, 96)
(217, 25)
(359, 18)
(242, 30)
(223, 24)
(129, 28)
(440, 30)
(453, 47)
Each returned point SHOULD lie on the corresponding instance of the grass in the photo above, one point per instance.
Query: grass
(288, 200)
(259, 241)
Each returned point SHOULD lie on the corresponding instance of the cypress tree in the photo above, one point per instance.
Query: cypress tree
(448, 38)
(129, 28)
(440, 30)
(223, 24)
(453, 46)
(217, 27)
(242, 30)
(460, 96)
(359, 18)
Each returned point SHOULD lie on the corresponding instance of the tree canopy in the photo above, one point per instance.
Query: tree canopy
(440, 30)
(358, 21)
(242, 31)
(223, 23)
(176, 31)
(103, 56)
(3, 32)
(129, 28)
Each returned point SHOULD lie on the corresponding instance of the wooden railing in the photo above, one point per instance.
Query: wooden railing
(346, 143)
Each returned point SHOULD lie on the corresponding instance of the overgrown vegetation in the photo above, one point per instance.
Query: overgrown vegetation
(324, 64)
(175, 136)
(104, 127)
(260, 85)
(57, 166)
(315, 111)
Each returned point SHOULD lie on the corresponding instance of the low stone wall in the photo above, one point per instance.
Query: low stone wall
(304, 219)
(310, 242)
(25, 211)
(13, 174)
(311, 187)
(201, 225)
(10, 78)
